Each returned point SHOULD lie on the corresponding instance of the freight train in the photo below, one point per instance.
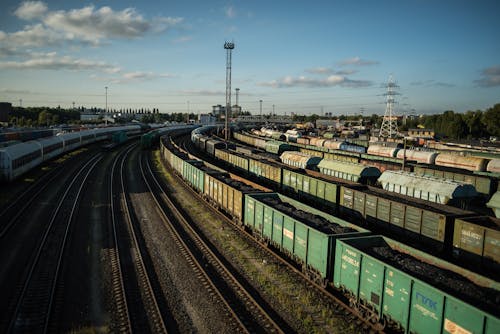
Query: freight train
(16, 160)
(388, 282)
(482, 173)
(419, 221)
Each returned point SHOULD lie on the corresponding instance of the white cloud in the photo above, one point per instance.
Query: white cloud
(94, 25)
(357, 62)
(230, 12)
(327, 70)
(203, 92)
(490, 77)
(128, 77)
(50, 61)
(30, 10)
(330, 81)
(32, 36)
(182, 39)
(86, 25)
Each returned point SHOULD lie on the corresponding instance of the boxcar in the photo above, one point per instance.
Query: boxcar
(302, 232)
(415, 293)
(421, 221)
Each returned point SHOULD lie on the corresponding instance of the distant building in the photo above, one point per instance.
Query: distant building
(421, 133)
(5, 110)
(207, 119)
(219, 111)
(89, 116)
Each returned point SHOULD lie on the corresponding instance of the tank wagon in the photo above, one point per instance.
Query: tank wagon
(418, 156)
(493, 166)
(378, 275)
(382, 151)
(412, 291)
(428, 188)
(15, 160)
(468, 163)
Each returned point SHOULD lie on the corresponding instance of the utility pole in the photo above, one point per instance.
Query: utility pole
(228, 46)
(260, 110)
(106, 107)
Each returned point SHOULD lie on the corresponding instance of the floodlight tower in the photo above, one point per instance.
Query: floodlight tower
(389, 127)
(228, 46)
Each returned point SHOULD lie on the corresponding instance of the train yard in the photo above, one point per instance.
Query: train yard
(119, 239)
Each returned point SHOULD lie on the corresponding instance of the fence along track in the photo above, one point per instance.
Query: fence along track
(33, 310)
(268, 324)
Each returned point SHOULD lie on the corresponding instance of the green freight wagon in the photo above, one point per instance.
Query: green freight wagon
(266, 170)
(413, 291)
(305, 234)
(354, 172)
(232, 158)
(193, 173)
(121, 137)
(146, 140)
(310, 188)
(423, 221)
(228, 194)
(478, 238)
(278, 147)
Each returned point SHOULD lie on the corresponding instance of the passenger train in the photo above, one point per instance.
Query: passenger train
(17, 159)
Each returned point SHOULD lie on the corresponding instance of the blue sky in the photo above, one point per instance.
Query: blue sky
(300, 56)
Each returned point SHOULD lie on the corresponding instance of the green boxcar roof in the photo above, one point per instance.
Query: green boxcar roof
(349, 168)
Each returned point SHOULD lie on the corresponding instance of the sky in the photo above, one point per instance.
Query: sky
(303, 57)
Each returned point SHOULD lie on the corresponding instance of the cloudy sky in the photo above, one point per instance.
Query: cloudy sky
(300, 56)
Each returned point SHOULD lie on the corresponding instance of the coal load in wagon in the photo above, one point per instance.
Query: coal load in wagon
(240, 186)
(443, 279)
(317, 222)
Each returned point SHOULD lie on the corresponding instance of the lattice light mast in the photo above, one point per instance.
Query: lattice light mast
(228, 46)
(389, 128)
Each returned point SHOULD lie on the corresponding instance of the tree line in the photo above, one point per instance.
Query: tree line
(472, 124)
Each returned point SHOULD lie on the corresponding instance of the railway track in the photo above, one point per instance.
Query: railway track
(11, 213)
(244, 311)
(341, 307)
(136, 307)
(33, 310)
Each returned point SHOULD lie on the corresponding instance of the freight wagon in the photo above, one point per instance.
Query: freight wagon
(476, 238)
(412, 291)
(382, 281)
(429, 188)
(484, 185)
(420, 221)
(303, 233)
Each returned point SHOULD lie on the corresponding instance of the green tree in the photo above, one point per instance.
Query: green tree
(491, 120)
